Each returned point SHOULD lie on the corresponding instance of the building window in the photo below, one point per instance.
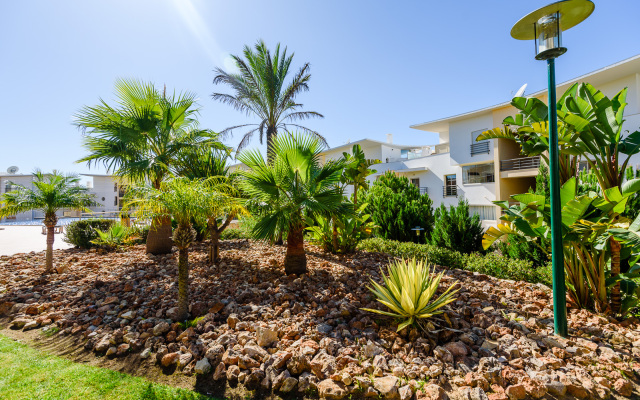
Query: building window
(450, 186)
(115, 187)
(115, 201)
(415, 182)
(484, 212)
(479, 173)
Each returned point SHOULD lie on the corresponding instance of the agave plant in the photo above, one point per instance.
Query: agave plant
(113, 237)
(407, 291)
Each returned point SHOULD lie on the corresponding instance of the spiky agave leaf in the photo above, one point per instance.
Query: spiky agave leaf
(408, 290)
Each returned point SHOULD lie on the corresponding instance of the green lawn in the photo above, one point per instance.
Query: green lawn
(26, 373)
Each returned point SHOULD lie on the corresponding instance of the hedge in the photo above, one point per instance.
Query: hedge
(491, 264)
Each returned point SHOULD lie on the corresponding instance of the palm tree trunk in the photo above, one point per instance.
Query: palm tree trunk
(615, 270)
(295, 261)
(48, 265)
(159, 238)
(183, 284)
(334, 235)
(50, 221)
(214, 247)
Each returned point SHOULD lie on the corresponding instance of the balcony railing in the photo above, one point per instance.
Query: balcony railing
(520, 163)
(449, 191)
(480, 148)
(423, 190)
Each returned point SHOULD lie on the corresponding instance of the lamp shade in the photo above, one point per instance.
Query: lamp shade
(545, 25)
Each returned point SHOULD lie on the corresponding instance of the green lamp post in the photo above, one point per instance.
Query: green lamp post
(544, 26)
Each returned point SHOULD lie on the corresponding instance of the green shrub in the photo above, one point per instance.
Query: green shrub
(396, 206)
(112, 238)
(234, 233)
(513, 247)
(350, 230)
(491, 264)
(81, 233)
(455, 229)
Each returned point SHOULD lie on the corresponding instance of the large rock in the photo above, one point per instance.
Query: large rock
(323, 365)
(328, 389)
(433, 392)
(202, 366)
(220, 372)
(170, 359)
(103, 344)
(298, 364)
(161, 328)
(388, 387)
(266, 336)
(19, 323)
(289, 384)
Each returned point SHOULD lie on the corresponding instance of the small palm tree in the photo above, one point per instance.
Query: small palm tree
(260, 89)
(50, 193)
(141, 137)
(294, 185)
(179, 198)
(208, 164)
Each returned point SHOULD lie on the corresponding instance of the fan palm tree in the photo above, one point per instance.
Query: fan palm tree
(289, 188)
(178, 198)
(50, 193)
(260, 89)
(141, 136)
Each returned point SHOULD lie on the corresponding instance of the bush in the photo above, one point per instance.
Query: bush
(396, 207)
(81, 233)
(234, 233)
(455, 229)
(491, 264)
(114, 237)
(513, 247)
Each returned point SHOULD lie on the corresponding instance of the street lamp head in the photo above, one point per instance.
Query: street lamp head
(545, 25)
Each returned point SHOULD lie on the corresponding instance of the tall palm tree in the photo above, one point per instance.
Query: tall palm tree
(260, 89)
(178, 198)
(292, 186)
(140, 138)
(50, 193)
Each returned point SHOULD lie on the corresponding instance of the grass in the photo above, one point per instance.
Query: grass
(27, 373)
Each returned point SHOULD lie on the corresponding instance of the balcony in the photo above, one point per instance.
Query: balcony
(480, 148)
(517, 164)
(449, 191)
(419, 152)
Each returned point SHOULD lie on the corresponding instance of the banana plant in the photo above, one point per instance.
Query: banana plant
(630, 280)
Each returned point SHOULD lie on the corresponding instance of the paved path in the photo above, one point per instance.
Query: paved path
(23, 239)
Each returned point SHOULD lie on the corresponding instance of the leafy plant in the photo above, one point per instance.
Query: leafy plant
(142, 138)
(491, 264)
(191, 323)
(81, 233)
(260, 89)
(293, 186)
(455, 229)
(349, 230)
(397, 206)
(408, 291)
(111, 239)
(49, 193)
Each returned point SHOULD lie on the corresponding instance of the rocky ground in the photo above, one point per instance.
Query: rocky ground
(306, 336)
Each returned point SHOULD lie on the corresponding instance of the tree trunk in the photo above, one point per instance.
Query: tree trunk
(48, 265)
(50, 221)
(159, 238)
(334, 235)
(214, 247)
(295, 261)
(355, 196)
(183, 284)
(615, 270)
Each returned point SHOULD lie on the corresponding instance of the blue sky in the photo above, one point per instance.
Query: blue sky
(377, 66)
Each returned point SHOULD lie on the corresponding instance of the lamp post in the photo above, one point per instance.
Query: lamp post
(417, 229)
(544, 26)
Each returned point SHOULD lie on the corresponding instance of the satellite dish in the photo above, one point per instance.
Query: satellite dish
(520, 91)
(12, 170)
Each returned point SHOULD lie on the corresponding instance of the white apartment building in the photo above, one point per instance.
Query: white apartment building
(492, 170)
(107, 189)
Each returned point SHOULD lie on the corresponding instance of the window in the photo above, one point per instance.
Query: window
(115, 201)
(415, 182)
(479, 173)
(484, 212)
(450, 186)
(115, 187)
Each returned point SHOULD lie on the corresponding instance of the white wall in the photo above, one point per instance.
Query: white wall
(103, 187)
(460, 140)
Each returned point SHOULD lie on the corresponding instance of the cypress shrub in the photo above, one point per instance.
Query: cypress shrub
(81, 233)
(396, 207)
(455, 229)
